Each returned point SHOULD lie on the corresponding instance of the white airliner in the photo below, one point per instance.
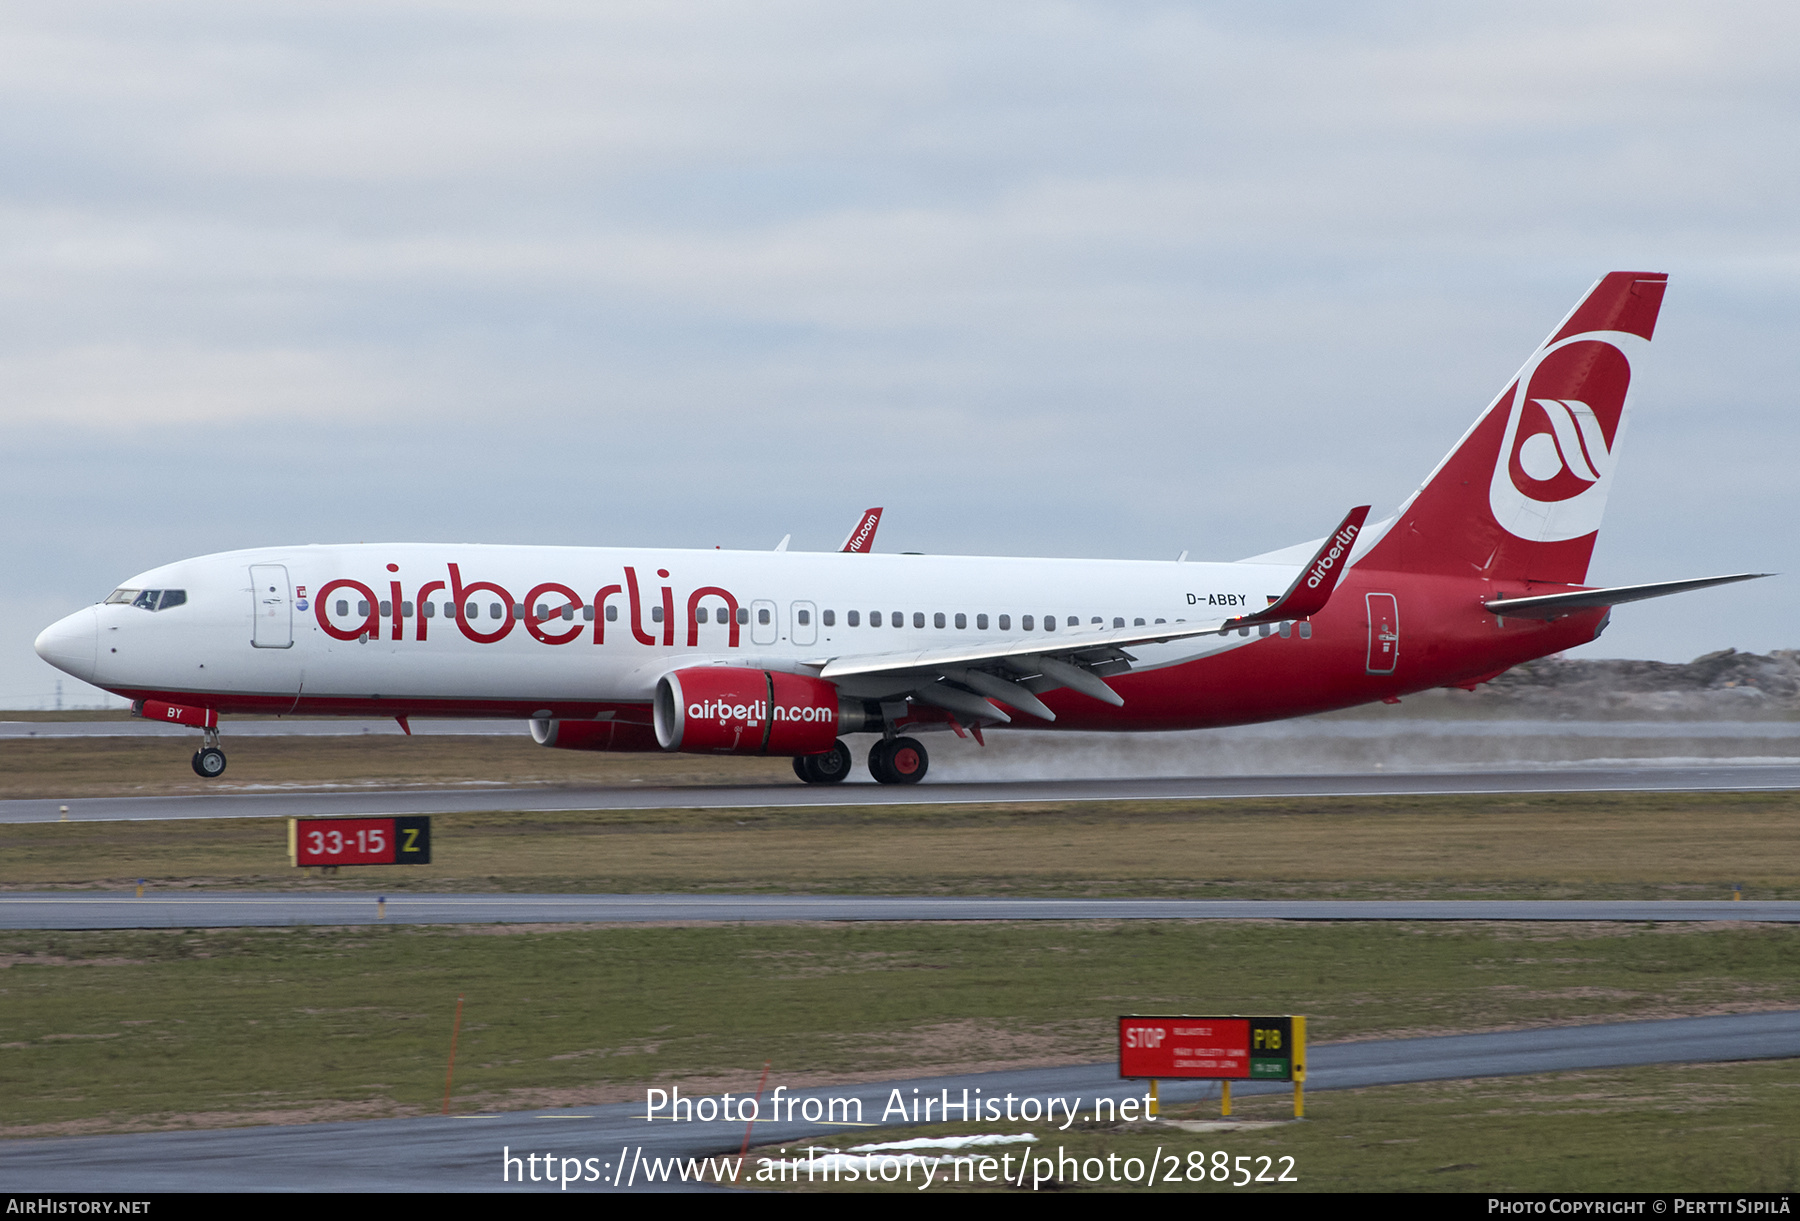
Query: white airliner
(782, 653)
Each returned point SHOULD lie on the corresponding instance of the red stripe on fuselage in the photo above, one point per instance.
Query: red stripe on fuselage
(1446, 637)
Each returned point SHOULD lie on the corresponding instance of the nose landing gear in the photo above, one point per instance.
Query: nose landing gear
(209, 760)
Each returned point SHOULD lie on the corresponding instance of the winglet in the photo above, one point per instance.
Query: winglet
(862, 537)
(1312, 588)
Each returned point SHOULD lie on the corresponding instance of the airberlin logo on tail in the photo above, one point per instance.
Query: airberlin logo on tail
(1565, 415)
(1340, 544)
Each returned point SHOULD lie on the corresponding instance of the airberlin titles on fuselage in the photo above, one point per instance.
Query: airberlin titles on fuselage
(350, 610)
(464, 601)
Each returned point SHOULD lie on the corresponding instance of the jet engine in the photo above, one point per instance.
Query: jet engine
(593, 735)
(733, 710)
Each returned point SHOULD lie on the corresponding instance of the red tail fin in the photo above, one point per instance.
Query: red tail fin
(1520, 497)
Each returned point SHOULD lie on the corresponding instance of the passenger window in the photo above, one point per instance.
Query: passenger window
(1025, 621)
(568, 613)
(762, 617)
(918, 618)
(472, 612)
(428, 609)
(362, 608)
(656, 614)
(803, 617)
(981, 623)
(1075, 621)
(743, 614)
(1137, 623)
(1117, 621)
(406, 610)
(937, 620)
(494, 611)
(387, 608)
(1306, 631)
(962, 621)
(518, 611)
(612, 614)
(830, 618)
(1162, 620)
(898, 619)
(853, 618)
(587, 614)
(343, 607)
(1006, 624)
(1049, 623)
(700, 615)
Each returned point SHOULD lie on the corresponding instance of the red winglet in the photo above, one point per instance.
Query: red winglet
(1312, 588)
(862, 538)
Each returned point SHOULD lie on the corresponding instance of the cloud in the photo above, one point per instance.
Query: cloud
(1068, 279)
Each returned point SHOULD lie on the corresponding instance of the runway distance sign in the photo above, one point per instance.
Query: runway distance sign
(359, 841)
(1232, 1048)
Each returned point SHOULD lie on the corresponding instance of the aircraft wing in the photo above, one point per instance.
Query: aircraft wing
(959, 678)
(1555, 606)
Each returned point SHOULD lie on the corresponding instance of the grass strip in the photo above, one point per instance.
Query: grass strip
(1601, 846)
(120, 1030)
(1664, 1128)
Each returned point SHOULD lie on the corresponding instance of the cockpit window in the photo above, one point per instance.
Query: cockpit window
(147, 599)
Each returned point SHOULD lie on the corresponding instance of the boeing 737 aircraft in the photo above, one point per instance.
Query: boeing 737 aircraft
(783, 653)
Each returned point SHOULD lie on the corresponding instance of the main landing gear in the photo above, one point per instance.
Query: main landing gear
(828, 768)
(209, 760)
(898, 761)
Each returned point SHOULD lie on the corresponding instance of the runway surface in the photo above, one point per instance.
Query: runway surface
(211, 909)
(464, 1153)
(1714, 778)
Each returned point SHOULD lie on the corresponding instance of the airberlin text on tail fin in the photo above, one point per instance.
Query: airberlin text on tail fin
(1521, 495)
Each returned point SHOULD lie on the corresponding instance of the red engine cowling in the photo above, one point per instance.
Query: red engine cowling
(593, 735)
(731, 710)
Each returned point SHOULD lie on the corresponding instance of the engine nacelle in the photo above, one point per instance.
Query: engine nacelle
(731, 710)
(593, 735)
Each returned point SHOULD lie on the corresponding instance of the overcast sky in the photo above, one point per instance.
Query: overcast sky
(1111, 279)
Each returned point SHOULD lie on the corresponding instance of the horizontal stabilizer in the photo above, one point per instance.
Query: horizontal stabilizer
(1554, 606)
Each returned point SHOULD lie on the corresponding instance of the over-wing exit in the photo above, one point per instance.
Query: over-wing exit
(785, 653)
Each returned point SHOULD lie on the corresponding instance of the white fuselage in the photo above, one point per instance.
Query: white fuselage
(245, 643)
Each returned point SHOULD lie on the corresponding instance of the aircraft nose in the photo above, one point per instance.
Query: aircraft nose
(70, 644)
